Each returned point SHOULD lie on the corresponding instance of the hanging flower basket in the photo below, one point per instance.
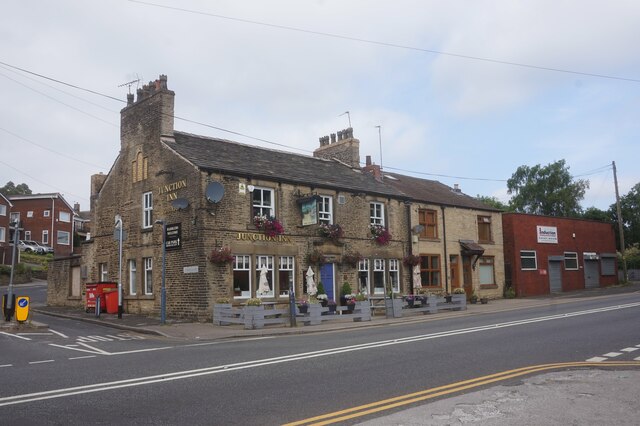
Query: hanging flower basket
(269, 225)
(380, 234)
(221, 256)
(351, 259)
(315, 257)
(331, 232)
(411, 260)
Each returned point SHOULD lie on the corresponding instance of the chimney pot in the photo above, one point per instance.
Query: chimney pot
(333, 138)
(368, 163)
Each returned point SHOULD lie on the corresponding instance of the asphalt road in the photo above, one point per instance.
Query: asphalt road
(86, 375)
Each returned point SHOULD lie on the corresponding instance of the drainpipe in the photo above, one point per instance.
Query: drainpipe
(444, 238)
(408, 204)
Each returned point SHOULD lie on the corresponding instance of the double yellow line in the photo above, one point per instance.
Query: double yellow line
(387, 404)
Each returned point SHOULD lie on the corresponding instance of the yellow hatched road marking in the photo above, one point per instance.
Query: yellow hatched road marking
(398, 401)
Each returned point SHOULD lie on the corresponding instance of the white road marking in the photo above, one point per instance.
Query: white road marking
(14, 335)
(181, 375)
(629, 349)
(613, 354)
(637, 359)
(6, 365)
(82, 357)
(41, 362)
(59, 334)
(597, 359)
(33, 334)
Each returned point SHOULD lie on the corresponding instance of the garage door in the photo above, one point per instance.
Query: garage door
(555, 276)
(591, 274)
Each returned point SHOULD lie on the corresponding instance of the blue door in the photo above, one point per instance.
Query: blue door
(326, 277)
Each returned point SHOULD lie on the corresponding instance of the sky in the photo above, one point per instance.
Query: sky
(464, 92)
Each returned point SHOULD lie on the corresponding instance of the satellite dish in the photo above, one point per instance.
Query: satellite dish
(180, 203)
(214, 192)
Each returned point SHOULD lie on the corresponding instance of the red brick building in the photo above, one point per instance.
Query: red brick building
(546, 254)
(46, 219)
(5, 234)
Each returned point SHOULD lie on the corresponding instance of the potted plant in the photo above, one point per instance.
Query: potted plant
(350, 301)
(484, 300)
(410, 299)
(315, 257)
(221, 256)
(380, 234)
(346, 290)
(331, 304)
(254, 301)
(331, 232)
(321, 294)
(269, 224)
(351, 259)
(303, 306)
(473, 298)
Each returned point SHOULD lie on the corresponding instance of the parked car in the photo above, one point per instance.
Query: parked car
(30, 246)
(47, 249)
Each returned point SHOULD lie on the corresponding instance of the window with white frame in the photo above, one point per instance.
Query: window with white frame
(325, 209)
(133, 270)
(262, 202)
(45, 237)
(486, 270)
(63, 238)
(363, 275)
(47, 213)
(14, 217)
(528, 260)
(570, 261)
(147, 210)
(27, 235)
(242, 277)
(104, 272)
(376, 213)
(3, 210)
(148, 275)
(30, 213)
(3, 234)
(394, 275)
(286, 275)
(264, 288)
(378, 276)
(64, 217)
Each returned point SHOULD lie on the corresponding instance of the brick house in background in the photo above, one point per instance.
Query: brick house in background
(46, 219)
(5, 232)
(545, 254)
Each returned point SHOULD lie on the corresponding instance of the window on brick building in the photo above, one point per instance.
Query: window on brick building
(262, 261)
(286, 275)
(429, 220)
(486, 270)
(47, 213)
(45, 237)
(394, 275)
(63, 238)
(133, 284)
(528, 260)
(3, 234)
(148, 275)
(147, 210)
(363, 275)
(104, 272)
(378, 276)
(65, 217)
(263, 202)
(570, 261)
(3, 210)
(30, 213)
(430, 270)
(484, 229)
(325, 209)
(376, 213)
(27, 235)
(242, 277)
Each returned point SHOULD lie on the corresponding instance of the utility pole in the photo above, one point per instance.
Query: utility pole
(620, 223)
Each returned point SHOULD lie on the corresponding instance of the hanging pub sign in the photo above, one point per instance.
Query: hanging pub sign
(309, 209)
(173, 236)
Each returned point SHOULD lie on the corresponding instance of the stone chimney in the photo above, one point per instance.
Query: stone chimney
(456, 188)
(76, 207)
(149, 116)
(344, 148)
(374, 169)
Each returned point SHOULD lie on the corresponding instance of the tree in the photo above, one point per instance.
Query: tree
(630, 209)
(594, 213)
(546, 190)
(11, 189)
(492, 202)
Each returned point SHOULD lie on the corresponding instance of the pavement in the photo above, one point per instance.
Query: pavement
(184, 330)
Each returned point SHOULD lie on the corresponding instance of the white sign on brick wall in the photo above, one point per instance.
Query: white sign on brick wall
(547, 234)
(190, 269)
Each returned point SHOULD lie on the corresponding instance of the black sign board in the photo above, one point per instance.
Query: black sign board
(173, 236)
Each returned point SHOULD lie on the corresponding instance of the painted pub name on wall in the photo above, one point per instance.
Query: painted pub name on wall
(252, 236)
(171, 189)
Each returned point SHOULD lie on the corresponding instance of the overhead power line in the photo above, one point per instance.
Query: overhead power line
(387, 44)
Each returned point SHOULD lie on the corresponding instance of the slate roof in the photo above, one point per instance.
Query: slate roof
(434, 192)
(233, 158)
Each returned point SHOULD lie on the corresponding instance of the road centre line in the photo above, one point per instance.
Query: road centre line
(387, 404)
(41, 362)
(82, 357)
(6, 365)
(180, 375)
